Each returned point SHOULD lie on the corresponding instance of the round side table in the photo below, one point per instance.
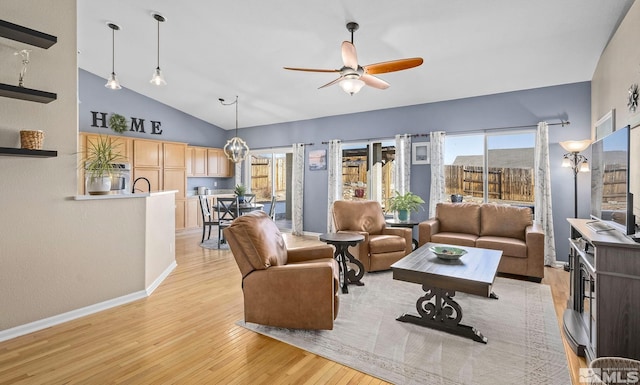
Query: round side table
(342, 242)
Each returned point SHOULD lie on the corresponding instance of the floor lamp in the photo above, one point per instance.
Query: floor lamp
(577, 162)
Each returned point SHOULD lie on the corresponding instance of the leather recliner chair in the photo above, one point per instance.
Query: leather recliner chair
(382, 246)
(290, 288)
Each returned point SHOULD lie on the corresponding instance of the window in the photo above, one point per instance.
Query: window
(367, 171)
(491, 167)
(270, 175)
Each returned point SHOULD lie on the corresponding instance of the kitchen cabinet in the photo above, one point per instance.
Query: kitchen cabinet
(174, 155)
(218, 164)
(175, 179)
(153, 174)
(181, 205)
(147, 153)
(192, 213)
(199, 161)
(188, 160)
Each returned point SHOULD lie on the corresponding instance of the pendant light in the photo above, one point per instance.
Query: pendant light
(236, 149)
(157, 77)
(113, 82)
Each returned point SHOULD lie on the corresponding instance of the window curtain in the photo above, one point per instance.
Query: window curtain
(297, 190)
(237, 178)
(402, 164)
(334, 166)
(437, 192)
(542, 192)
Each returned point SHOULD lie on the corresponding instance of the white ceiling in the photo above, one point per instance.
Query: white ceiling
(219, 49)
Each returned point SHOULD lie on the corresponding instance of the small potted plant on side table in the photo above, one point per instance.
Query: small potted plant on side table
(404, 203)
(240, 190)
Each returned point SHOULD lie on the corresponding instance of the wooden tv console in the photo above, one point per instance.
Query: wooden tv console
(603, 311)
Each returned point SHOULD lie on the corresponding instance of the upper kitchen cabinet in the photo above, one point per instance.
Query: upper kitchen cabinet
(218, 164)
(199, 165)
(175, 155)
(148, 153)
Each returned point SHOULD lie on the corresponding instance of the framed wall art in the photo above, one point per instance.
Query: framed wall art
(420, 153)
(317, 160)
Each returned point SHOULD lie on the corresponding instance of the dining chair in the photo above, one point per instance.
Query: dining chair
(249, 198)
(227, 209)
(207, 216)
(272, 209)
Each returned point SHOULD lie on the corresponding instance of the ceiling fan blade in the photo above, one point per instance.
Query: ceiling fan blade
(374, 82)
(392, 66)
(309, 69)
(332, 82)
(349, 55)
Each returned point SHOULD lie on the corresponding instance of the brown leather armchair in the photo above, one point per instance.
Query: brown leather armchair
(295, 288)
(382, 246)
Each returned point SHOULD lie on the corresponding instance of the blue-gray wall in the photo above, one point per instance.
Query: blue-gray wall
(176, 125)
(567, 102)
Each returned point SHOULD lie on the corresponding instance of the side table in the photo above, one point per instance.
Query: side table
(342, 242)
(407, 224)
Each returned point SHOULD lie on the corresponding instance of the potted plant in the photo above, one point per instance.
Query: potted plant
(404, 203)
(98, 164)
(240, 190)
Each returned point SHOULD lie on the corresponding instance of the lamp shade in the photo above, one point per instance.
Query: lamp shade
(351, 84)
(575, 145)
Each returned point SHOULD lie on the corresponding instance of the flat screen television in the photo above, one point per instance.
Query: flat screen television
(611, 198)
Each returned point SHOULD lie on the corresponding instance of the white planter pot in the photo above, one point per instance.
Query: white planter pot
(98, 185)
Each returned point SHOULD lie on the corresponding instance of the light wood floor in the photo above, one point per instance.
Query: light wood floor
(185, 333)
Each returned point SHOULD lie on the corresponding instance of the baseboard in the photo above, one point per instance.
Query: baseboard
(161, 278)
(69, 316)
(85, 311)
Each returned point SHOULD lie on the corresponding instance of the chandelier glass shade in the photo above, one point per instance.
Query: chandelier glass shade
(112, 82)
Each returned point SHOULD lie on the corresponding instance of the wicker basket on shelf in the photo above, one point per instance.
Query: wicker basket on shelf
(31, 139)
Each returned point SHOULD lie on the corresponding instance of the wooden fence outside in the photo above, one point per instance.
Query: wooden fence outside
(506, 184)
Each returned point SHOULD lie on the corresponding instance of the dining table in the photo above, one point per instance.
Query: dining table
(244, 208)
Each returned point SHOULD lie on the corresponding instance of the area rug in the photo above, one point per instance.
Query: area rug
(524, 344)
(213, 244)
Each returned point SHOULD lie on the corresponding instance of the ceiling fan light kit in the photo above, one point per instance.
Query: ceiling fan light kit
(353, 76)
(158, 78)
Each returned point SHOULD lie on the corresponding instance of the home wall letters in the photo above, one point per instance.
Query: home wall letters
(99, 119)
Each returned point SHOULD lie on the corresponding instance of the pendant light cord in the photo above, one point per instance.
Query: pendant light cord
(158, 43)
(113, 50)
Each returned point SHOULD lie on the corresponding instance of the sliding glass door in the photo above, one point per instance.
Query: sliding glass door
(270, 176)
(367, 171)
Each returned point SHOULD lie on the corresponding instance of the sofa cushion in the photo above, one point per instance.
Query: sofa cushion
(504, 221)
(459, 217)
(510, 247)
(458, 239)
(379, 244)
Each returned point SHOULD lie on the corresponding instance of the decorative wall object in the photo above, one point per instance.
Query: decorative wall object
(317, 160)
(420, 153)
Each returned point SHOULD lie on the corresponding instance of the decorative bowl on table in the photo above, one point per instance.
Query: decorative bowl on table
(447, 252)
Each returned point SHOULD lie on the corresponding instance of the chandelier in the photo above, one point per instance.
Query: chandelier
(236, 149)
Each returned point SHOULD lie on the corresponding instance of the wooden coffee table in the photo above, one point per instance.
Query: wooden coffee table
(473, 273)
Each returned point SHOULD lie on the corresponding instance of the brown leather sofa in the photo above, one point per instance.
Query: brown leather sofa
(290, 288)
(490, 226)
(382, 246)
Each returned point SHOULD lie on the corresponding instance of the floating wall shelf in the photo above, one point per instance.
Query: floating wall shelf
(9, 151)
(26, 35)
(32, 95)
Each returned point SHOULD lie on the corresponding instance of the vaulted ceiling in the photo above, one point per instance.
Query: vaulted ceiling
(219, 49)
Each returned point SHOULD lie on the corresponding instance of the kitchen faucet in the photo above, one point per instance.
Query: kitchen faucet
(133, 188)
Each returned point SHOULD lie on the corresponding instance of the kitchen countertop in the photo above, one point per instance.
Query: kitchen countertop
(122, 196)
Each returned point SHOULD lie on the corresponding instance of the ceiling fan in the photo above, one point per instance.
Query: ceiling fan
(354, 76)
